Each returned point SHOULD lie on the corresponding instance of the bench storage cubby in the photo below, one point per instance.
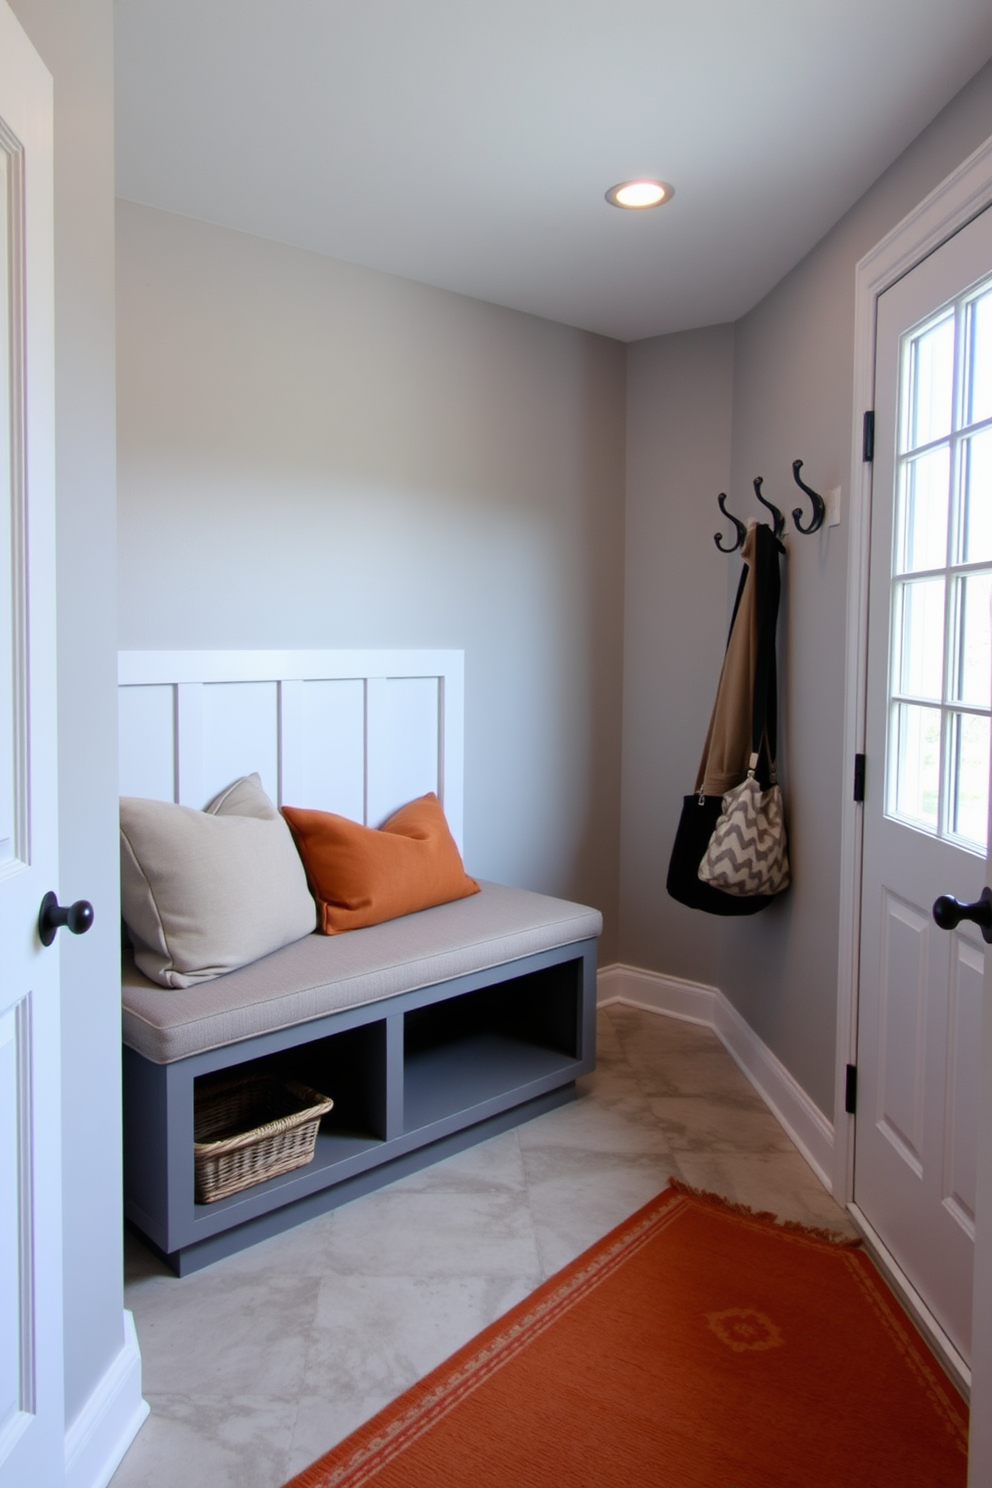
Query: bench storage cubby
(430, 1033)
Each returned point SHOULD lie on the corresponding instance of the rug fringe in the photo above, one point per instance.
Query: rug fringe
(809, 1232)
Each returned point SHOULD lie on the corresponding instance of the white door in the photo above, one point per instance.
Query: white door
(927, 746)
(31, 1412)
(980, 1430)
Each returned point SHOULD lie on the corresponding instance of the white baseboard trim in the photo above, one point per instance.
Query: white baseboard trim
(654, 993)
(106, 1426)
(694, 1002)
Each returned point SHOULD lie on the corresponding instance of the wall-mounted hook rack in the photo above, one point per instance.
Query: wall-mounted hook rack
(819, 505)
(779, 517)
(740, 529)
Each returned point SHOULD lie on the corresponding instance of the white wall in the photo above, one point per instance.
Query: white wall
(76, 43)
(316, 454)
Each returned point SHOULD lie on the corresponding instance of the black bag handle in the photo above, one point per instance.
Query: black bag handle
(768, 582)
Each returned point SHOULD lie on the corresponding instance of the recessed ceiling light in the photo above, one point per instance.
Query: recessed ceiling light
(635, 195)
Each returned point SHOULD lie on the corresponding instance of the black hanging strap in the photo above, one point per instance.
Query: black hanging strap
(768, 582)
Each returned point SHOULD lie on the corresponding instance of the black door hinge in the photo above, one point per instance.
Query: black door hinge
(868, 437)
(851, 1090)
(859, 777)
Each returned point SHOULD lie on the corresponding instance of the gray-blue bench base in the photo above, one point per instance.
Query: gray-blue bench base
(415, 1078)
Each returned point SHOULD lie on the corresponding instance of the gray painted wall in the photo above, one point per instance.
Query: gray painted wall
(316, 454)
(679, 409)
(76, 43)
(793, 357)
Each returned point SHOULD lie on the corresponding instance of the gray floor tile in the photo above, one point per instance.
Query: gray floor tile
(219, 1331)
(194, 1441)
(781, 1183)
(375, 1336)
(577, 1196)
(697, 1123)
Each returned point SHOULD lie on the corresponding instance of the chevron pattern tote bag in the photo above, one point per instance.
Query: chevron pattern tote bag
(748, 853)
(725, 847)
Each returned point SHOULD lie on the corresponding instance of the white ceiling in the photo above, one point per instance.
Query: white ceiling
(468, 143)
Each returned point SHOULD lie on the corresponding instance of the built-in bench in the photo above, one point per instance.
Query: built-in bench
(430, 1033)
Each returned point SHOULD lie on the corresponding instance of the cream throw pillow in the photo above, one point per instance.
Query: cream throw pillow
(203, 892)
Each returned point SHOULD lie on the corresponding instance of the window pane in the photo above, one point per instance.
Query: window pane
(970, 795)
(974, 661)
(980, 393)
(917, 763)
(923, 509)
(976, 506)
(937, 764)
(931, 363)
(921, 638)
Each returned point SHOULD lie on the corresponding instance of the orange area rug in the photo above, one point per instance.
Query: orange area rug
(697, 1346)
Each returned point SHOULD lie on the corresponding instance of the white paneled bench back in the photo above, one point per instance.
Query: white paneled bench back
(355, 732)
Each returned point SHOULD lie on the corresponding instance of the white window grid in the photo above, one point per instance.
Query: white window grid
(949, 705)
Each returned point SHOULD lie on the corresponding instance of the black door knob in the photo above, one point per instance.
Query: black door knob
(77, 919)
(949, 912)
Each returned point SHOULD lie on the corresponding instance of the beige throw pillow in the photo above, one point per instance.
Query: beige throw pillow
(203, 892)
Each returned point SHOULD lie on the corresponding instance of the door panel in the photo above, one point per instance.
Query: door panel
(929, 688)
(11, 1122)
(964, 1042)
(902, 1008)
(31, 1409)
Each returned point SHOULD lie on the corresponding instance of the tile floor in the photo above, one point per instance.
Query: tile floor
(258, 1364)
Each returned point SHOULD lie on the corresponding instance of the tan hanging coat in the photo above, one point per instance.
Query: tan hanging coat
(728, 739)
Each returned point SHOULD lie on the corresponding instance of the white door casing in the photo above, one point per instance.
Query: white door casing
(925, 814)
(31, 1398)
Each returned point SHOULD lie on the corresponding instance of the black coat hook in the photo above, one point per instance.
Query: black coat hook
(779, 527)
(741, 530)
(819, 505)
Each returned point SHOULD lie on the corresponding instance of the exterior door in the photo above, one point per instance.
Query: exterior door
(31, 1409)
(980, 1430)
(927, 745)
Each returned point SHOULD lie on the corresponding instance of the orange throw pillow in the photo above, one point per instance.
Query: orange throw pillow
(361, 876)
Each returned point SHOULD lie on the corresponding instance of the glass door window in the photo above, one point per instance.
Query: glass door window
(940, 659)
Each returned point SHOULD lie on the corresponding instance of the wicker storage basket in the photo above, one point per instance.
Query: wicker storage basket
(252, 1128)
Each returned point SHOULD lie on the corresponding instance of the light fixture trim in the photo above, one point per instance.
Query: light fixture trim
(640, 193)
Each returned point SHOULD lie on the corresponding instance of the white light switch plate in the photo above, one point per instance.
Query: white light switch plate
(832, 500)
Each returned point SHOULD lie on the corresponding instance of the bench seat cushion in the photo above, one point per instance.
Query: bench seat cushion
(323, 974)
